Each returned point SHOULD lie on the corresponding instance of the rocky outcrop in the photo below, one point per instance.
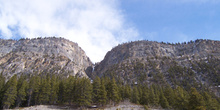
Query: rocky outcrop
(192, 64)
(42, 55)
(144, 49)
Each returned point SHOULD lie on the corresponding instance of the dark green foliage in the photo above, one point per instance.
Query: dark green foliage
(70, 89)
(85, 92)
(114, 93)
(96, 89)
(127, 92)
(135, 95)
(61, 92)
(10, 92)
(210, 103)
(102, 95)
(44, 92)
(196, 101)
(163, 101)
(21, 90)
(180, 98)
(144, 99)
(33, 90)
(151, 99)
(2, 84)
(54, 90)
(80, 92)
(169, 94)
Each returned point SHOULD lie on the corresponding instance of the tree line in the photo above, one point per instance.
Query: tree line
(25, 90)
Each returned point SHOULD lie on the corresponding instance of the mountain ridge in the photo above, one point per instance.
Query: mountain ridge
(42, 55)
(195, 63)
(191, 64)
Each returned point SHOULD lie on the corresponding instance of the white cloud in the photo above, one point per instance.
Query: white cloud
(96, 25)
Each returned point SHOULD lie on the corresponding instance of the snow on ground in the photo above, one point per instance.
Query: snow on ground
(120, 106)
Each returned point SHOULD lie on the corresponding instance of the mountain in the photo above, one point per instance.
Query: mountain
(191, 64)
(41, 56)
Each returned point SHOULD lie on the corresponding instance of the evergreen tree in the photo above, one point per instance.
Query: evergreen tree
(135, 95)
(85, 92)
(157, 96)
(210, 103)
(96, 89)
(144, 100)
(2, 84)
(169, 94)
(71, 90)
(114, 94)
(127, 93)
(196, 101)
(61, 92)
(54, 90)
(44, 92)
(21, 90)
(140, 92)
(108, 88)
(121, 92)
(163, 101)
(151, 96)
(10, 92)
(102, 96)
(33, 90)
(180, 99)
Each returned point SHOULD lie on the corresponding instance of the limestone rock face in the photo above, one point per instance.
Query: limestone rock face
(42, 55)
(191, 64)
(148, 49)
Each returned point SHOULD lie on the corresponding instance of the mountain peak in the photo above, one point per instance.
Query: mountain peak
(42, 55)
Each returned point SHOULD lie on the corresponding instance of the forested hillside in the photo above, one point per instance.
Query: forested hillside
(190, 64)
(56, 71)
(80, 92)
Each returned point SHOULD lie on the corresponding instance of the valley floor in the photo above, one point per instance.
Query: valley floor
(120, 106)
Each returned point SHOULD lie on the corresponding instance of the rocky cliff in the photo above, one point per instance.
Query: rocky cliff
(191, 64)
(42, 55)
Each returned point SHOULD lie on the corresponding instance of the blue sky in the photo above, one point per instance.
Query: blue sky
(170, 21)
(99, 25)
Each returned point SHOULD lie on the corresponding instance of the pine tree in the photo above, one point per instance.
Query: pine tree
(33, 90)
(71, 92)
(156, 96)
(163, 101)
(96, 89)
(210, 103)
(169, 94)
(2, 84)
(54, 90)
(144, 100)
(135, 95)
(10, 93)
(61, 92)
(85, 92)
(102, 96)
(196, 101)
(151, 96)
(140, 92)
(44, 92)
(114, 94)
(21, 90)
(127, 93)
(180, 98)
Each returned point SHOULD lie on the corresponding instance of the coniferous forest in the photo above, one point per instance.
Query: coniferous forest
(25, 90)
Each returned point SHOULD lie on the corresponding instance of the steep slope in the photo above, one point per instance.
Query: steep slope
(192, 64)
(42, 55)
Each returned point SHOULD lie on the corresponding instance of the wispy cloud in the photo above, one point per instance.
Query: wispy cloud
(96, 25)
